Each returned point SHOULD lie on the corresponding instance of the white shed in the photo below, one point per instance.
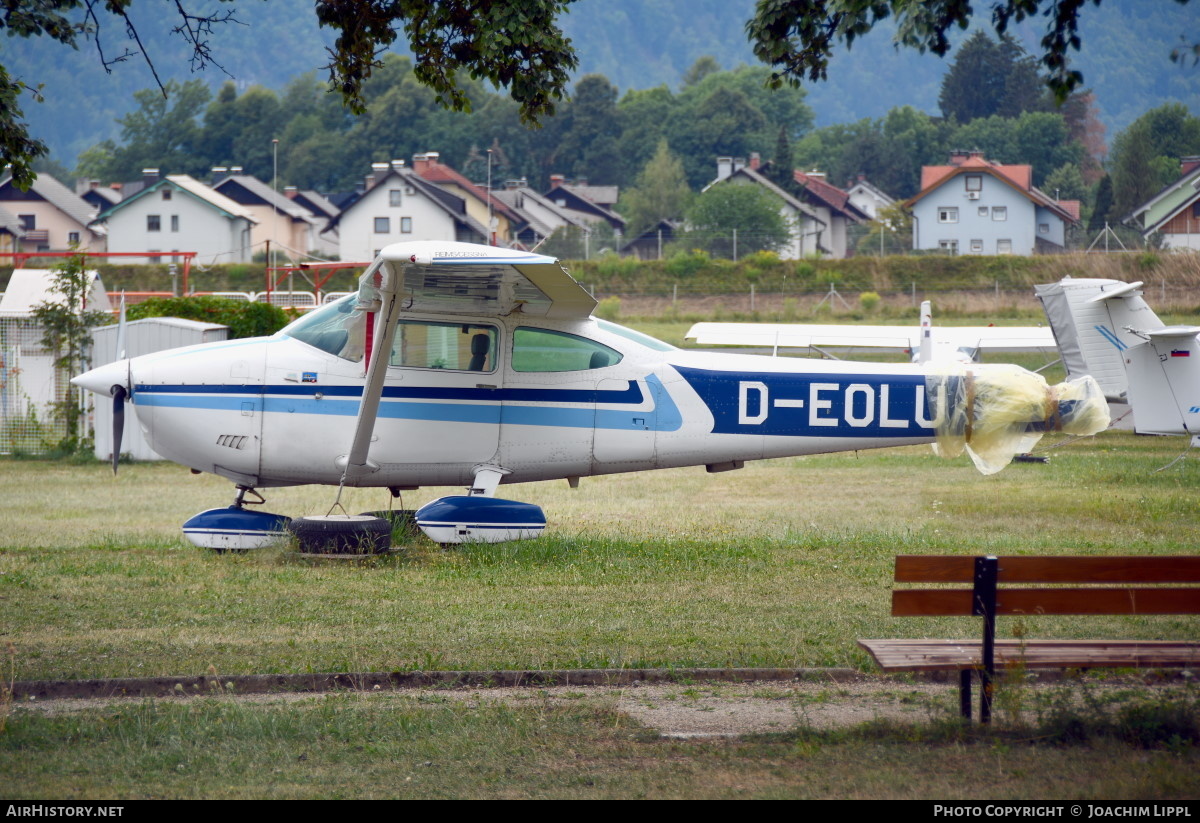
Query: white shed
(141, 337)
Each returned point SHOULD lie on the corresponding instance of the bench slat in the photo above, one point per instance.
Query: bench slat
(1021, 569)
(957, 602)
(934, 655)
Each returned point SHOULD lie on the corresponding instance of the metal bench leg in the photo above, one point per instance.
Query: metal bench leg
(964, 693)
(986, 687)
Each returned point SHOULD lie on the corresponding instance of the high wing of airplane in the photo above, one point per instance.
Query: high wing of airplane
(457, 364)
(1106, 329)
(924, 343)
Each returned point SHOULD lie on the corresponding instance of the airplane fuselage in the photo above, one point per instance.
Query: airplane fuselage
(536, 398)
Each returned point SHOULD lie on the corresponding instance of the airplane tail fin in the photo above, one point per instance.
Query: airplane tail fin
(1105, 328)
(925, 352)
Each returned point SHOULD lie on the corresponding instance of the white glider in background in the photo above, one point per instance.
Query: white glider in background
(924, 343)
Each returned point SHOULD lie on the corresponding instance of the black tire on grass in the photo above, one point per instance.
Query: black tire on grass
(404, 521)
(342, 534)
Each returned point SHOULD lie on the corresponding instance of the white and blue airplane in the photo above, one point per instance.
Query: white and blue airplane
(460, 364)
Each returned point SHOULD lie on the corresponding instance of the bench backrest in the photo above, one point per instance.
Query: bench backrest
(988, 574)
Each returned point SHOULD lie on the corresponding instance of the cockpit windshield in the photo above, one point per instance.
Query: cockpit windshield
(336, 328)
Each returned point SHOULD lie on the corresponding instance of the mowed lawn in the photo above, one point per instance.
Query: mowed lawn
(784, 563)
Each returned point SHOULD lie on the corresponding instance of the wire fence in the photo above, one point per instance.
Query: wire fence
(31, 389)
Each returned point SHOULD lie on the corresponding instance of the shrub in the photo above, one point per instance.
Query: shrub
(609, 309)
(868, 301)
(243, 319)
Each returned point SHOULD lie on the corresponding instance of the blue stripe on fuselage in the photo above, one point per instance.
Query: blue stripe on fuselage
(813, 405)
(473, 406)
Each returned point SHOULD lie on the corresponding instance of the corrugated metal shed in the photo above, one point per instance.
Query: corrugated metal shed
(147, 336)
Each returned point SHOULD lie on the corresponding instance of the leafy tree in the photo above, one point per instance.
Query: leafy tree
(590, 127)
(703, 67)
(749, 210)
(513, 44)
(66, 331)
(1066, 183)
(162, 132)
(661, 192)
(973, 86)
(1132, 169)
(797, 36)
(1102, 211)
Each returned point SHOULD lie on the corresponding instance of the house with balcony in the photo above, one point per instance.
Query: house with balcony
(1173, 213)
(975, 206)
(51, 217)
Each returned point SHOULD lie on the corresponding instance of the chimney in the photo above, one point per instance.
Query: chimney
(739, 163)
(957, 156)
(421, 162)
(218, 174)
(557, 180)
(1188, 164)
(724, 167)
(290, 192)
(368, 182)
(235, 169)
(149, 176)
(819, 175)
(516, 184)
(397, 165)
(755, 160)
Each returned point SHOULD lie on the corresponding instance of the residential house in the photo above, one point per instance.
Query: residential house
(975, 206)
(11, 233)
(397, 204)
(867, 198)
(324, 210)
(808, 229)
(288, 227)
(539, 216)
(179, 213)
(592, 204)
(100, 197)
(1174, 213)
(483, 206)
(833, 207)
(649, 244)
(51, 216)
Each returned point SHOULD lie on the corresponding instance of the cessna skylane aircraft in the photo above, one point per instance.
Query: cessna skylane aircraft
(459, 364)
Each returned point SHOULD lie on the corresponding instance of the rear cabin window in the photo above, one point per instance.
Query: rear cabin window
(455, 346)
(542, 350)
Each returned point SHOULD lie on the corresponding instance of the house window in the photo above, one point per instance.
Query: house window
(383, 225)
(977, 247)
(394, 197)
(999, 213)
(948, 246)
(983, 211)
(174, 222)
(974, 182)
(1003, 247)
(409, 190)
(166, 194)
(154, 258)
(1043, 228)
(28, 221)
(948, 214)
(153, 222)
(406, 225)
(72, 238)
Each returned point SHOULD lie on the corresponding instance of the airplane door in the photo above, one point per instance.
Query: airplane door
(550, 397)
(625, 430)
(441, 398)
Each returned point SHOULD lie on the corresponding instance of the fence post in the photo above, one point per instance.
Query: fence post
(751, 297)
(735, 245)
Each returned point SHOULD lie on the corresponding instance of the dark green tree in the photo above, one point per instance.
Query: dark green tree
(797, 37)
(661, 192)
(1102, 211)
(67, 326)
(973, 86)
(1133, 176)
(730, 215)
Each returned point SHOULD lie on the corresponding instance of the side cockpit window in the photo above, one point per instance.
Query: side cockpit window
(454, 346)
(542, 350)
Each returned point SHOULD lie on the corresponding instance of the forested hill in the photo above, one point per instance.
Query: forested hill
(634, 43)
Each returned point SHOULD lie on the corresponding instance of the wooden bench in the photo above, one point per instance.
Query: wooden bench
(1118, 585)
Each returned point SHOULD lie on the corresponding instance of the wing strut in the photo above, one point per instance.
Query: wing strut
(379, 293)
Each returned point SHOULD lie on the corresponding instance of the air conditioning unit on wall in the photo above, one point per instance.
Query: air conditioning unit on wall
(972, 195)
